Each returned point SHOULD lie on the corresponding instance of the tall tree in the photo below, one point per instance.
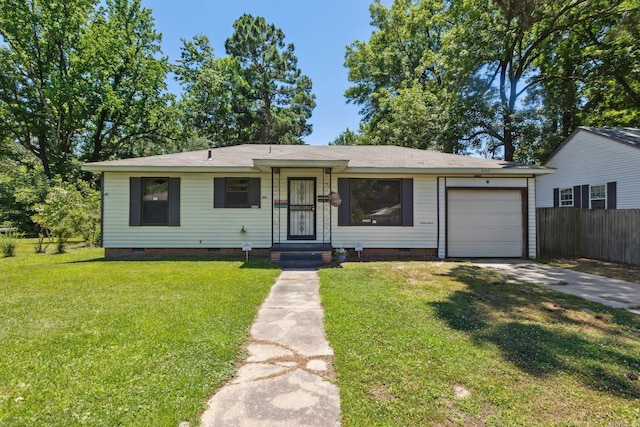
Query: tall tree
(215, 102)
(80, 82)
(281, 93)
(40, 86)
(130, 113)
(493, 75)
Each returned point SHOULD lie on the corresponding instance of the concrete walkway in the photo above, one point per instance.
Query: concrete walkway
(285, 379)
(611, 292)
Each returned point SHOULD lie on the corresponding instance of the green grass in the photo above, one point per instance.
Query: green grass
(408, 335)
(84, 341)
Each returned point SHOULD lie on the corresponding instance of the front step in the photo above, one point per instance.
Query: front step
(301, 259)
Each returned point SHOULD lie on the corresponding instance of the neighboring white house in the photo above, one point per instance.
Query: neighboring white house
(596, 168)
(390, 201)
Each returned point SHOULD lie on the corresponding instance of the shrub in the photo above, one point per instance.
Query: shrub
(70, 210)
(9, 242)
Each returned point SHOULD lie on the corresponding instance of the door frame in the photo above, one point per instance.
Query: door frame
(313, 208)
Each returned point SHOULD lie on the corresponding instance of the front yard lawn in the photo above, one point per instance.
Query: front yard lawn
(451, 344)
(84, 341)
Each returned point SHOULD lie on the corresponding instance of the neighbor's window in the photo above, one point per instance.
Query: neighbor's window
(566, 197)
(155, 201)
(598, 196)
(375, 201)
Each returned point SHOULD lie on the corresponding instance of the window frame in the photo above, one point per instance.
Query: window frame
(407, 202)
(603, 198)
(569, 202)
(221, 192)
(137, 204)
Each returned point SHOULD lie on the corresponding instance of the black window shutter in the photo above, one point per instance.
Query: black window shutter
(407, 201)
(577, 200)
(585, 197)
(343, 209)
(174, 201)
(135, 201)
(254, 192)
(556, 197)
(611, 195)
(219, 188)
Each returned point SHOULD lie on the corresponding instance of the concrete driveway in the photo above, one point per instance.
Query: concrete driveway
(611, 292)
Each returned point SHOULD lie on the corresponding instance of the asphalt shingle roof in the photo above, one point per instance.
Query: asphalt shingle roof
(374, 156)
(626, 135)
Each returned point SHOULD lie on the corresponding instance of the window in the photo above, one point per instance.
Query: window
(566, 197)
(375, 202)
(236, 192)
(598, 196)
(154, 201)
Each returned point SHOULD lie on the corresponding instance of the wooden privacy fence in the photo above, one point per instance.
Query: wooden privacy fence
(604, 234)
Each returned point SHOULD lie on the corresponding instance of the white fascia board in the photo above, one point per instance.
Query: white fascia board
(175, 169)
(455, 171)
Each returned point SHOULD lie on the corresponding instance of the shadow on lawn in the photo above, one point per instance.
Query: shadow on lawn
(526, 323)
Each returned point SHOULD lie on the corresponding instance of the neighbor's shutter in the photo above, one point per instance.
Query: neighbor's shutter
(611, 195)
(219, 186)
(135, 201)
(585, 197)
(174, 201)
(407, 201)
(254, 192)
(556, 197)
(577, 199)
(343, 209)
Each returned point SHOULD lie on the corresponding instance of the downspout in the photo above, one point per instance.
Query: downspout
(273, 207)
(101, 210)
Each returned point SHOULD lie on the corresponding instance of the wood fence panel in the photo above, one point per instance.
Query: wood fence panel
(604, 234)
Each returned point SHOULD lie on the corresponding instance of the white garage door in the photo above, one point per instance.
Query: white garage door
(484, 223)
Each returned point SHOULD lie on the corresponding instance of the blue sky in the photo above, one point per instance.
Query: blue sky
(320, 31)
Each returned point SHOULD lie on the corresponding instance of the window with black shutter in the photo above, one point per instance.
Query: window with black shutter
(154, 201)
(236, 192)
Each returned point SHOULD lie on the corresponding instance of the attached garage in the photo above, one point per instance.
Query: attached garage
(487, 223)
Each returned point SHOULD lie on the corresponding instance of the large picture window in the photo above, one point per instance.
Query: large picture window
(154, 201)
(376, 201)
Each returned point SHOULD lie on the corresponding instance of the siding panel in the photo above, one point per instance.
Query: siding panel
(594, 160)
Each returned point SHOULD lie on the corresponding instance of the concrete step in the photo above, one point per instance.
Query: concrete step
(301, 259)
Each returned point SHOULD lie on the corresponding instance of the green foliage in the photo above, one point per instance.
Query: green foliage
(81, 82)
(20, 189)
(131, 343)
(69, 210)
(348, 137)
(502, 78)
(9, 242)
(255, 95)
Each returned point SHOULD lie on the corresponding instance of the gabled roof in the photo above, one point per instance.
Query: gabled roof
(360, 158)
(627, 136)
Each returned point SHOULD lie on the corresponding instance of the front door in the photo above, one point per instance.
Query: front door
(302, 209)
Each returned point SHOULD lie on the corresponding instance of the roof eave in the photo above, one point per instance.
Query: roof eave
(163, 169)
(266, 165)
(525, 171)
